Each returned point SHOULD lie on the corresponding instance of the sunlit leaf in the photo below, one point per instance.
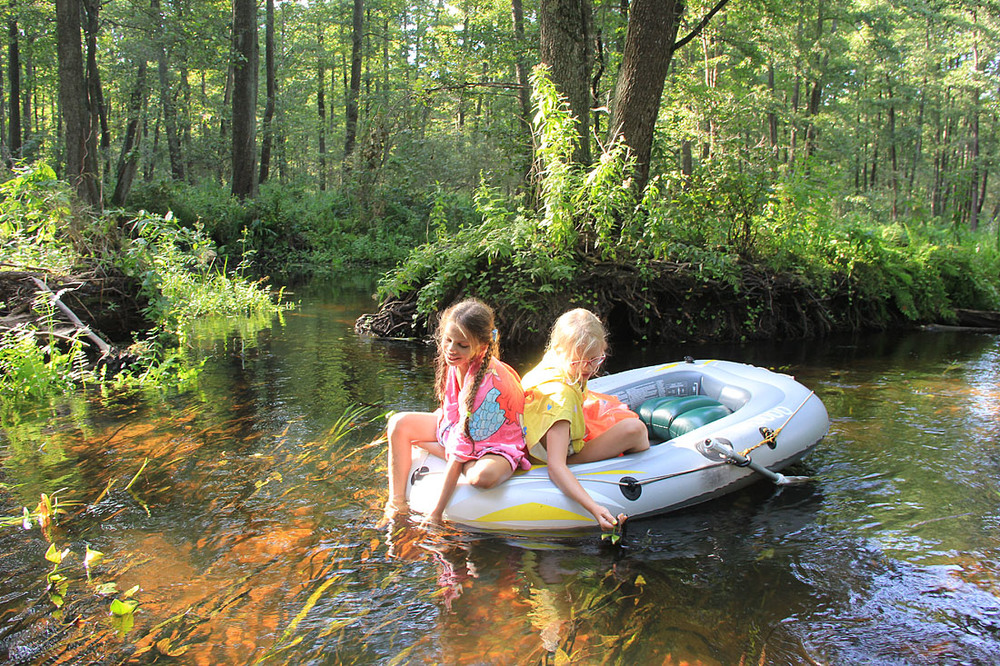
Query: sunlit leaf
(54, 555)
(92, 557)
(132, 590)
(106, 589)
(119, 607)
(639, 580)
(26, 522)
(123, 623)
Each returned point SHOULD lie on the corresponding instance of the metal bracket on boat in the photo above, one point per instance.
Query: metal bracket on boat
(630, 488)
(722, 449)
(419, 473)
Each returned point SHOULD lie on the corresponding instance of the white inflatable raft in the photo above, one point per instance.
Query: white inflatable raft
(755, 423)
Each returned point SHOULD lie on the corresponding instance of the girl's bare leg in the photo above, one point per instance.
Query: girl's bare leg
(628, 436)
(406, 429)
(488, 471)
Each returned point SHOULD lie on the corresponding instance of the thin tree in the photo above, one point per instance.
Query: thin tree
(354, 91)
(14, 79)
(128, 161)
(267, 131)
(166, 96)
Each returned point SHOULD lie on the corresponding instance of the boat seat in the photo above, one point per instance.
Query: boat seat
(670, 417)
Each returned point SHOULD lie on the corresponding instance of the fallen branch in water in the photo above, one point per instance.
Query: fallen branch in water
(101, 344)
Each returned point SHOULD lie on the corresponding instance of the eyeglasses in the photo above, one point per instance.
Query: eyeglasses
(592, 362)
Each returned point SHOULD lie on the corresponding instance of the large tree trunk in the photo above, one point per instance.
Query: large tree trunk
(565, 39)
(14, 76)
(354, 93)
(81, 162)
(268, 132)
(649, 47)
(128, 161)
(244, 58)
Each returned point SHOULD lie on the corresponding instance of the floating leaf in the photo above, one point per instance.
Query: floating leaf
(106, 589)
(132, 590)
(123, 623)
(92, 557)
(119, 607)
(54, 555)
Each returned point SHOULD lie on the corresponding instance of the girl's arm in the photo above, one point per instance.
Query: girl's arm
(557, 445)
(451, 474)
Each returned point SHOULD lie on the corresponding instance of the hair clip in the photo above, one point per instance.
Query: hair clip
(494, 335)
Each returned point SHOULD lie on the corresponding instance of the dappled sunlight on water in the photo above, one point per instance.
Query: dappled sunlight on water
(248, 513)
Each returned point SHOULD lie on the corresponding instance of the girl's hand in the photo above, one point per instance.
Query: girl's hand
(606, 520)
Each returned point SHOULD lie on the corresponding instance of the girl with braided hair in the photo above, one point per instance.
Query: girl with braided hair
(478, 427)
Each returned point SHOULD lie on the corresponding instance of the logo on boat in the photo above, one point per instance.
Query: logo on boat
(774, 414)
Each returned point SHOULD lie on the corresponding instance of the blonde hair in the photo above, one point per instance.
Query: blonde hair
(577, 335)
(476, 321)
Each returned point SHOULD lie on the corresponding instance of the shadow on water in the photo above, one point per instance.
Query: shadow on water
(247, 513)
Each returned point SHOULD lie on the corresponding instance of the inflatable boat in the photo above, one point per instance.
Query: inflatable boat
(715, 426)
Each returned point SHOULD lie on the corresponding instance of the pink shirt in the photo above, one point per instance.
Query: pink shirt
(496, 422)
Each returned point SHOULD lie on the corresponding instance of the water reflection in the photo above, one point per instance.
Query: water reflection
(251, 523)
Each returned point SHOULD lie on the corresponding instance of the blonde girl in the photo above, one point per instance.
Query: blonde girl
(478, 426)
(555, 389)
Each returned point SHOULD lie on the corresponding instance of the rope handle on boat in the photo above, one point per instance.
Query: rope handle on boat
(770, 436)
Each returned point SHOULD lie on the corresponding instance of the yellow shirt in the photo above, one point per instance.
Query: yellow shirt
(548, 399)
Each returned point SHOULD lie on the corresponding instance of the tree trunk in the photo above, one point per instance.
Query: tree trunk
(244, 58)
(98, 113)
(166, 98)
(128, 161)
(520, 65)
(649, 47)
(268, 138)
(565, 39)
(81, 163)
(321, 106)
(353, 94)
(14, 76)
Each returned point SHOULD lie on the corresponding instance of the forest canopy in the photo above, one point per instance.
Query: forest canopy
(845, 142)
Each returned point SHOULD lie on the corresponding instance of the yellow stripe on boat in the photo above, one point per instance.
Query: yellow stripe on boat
(532, 511)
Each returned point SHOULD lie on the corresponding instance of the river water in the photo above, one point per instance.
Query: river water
(247, 512)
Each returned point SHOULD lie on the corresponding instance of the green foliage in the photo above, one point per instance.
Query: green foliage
(181, 277)
(34, 206)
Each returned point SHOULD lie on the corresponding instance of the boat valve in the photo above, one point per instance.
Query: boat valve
(630, 488)
(419, 474)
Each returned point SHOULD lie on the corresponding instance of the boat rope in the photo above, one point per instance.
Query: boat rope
(770, 436)
(651, 479)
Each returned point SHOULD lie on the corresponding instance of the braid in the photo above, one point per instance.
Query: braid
(470, 400)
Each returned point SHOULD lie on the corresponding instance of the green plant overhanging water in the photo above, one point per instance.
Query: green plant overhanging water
(181, 277)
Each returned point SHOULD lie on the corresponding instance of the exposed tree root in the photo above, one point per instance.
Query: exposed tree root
(663, 302)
